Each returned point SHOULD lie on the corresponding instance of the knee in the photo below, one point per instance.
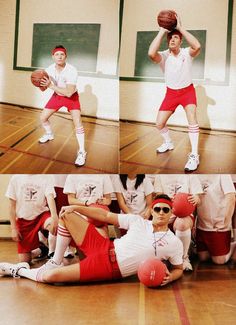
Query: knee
(50, 276)
(220, 260)
(160, 125)
(181, 224)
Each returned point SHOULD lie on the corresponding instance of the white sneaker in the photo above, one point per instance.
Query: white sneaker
(69, 253)
(46, 137)
(192, 163)
(81, 158)
(187, 265)
(51, 265)
(12, 269)
(165, 147)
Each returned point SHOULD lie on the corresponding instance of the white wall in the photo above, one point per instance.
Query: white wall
(139, 100)
(100, 96)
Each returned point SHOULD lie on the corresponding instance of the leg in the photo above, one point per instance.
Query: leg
(79, 130)
(182, 227)
(161, 120)
(203, 256)
(44, 117)
(193, 132)
(24, 257)
(70, 273)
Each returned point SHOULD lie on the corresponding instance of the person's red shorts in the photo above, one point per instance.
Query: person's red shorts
(100, 262)
(61, 199)
(176, 97)
(217, 243)
(29, 231)
(57, 101)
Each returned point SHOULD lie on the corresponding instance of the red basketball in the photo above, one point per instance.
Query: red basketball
(36, 77)
(151, 272)
(181, 206)
(97, 223)
(167, 19)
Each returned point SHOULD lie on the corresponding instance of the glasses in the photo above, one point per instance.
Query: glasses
(164, 209)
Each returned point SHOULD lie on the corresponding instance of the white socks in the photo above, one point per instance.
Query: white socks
(63, 241)
(193, 132)
(185, 237)
(80, 137)
(165, 134)
(47, 127)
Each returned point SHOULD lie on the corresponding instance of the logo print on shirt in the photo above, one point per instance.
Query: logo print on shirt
(31, 194)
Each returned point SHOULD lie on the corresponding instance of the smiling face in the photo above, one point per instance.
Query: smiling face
(161, 213)
(59, 58)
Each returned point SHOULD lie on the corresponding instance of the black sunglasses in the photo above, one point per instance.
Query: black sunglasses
(164, 209)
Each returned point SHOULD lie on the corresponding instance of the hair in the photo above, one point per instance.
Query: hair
(59, 46)
(173, 32)
(163, 196)
(139, 180)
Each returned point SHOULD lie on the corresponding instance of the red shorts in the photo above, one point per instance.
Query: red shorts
(176, 97)
(61, 199)
(100, 262)
(29, 231)
(56, 102)
(217, 243)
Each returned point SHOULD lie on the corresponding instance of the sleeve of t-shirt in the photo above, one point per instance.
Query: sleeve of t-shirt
(187, 53)
(195, 186)
(117, 184)
(10, 192)
(164, 56)
(49, 188)
(157, 185)
(72, 76)
(107, 185)
(69, 185)
(148, 187)
(177, 257)
(227, 184)
(125, 220)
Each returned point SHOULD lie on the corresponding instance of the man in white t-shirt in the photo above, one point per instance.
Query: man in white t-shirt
(62, 80)
(214, 218)
(105, 259)
(171, 185)
(176, 63)
(32, 208)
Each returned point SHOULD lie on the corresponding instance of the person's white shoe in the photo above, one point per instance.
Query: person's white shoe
(192, 163)
(166, 146)
(12, 269)
(46, 137)
(187, 266)
(51, 265)
(81, 158)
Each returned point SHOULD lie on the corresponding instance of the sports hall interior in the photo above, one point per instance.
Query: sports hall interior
(208, 294)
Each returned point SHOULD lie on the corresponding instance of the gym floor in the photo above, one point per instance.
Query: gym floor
(205, 296)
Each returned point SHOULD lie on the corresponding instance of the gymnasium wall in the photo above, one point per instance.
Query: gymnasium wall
(139, 99)
(99, 91)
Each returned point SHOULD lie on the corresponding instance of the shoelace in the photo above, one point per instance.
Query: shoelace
(14, 272)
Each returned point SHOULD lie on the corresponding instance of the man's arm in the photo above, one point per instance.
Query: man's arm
(121, 202)
(15, 234)
(53, 212)
(68, 91)
(194, 44)
(93, 213)
(175, 273)
(155, 45)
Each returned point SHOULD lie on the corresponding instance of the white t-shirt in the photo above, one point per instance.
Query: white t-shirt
(177, 69)
(212, 208)
(138, 244)
(30, 192)
(135, 199)
(88, 187)
(68, 76)
(59, 180)
(172, 184)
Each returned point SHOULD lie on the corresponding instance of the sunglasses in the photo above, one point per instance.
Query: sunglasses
(159, 209)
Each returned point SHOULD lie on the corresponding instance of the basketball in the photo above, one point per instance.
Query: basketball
(167, 19)
(36, 77)
(181, 206)
(151, 272)
(98, 223)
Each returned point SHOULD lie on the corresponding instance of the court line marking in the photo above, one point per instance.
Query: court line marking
(180, 304)
(141, 309)
(50, 159)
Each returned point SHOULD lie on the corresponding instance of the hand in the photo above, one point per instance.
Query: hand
(52, 227)
(167, 279)
(194, 199)
(46, 82)
(16, 235)
(66, 209)
(163, 30)
(102, 201)
(179, 24)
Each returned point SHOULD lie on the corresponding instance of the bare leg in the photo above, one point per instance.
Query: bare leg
(161, 120)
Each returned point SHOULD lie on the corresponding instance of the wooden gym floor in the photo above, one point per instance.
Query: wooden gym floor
(138, 143)
(20, 151)
(206, 296)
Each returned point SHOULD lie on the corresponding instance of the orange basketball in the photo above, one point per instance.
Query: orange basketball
(36, 77)
(167, 19)
(151, 272)
(181, 206)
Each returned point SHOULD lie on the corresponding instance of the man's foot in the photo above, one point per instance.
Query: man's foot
(69, 253)
(81, 158)
(46, 137)
(166, 146)
(12, 269)
(187, 265)
(192, 163)
(51, 265)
